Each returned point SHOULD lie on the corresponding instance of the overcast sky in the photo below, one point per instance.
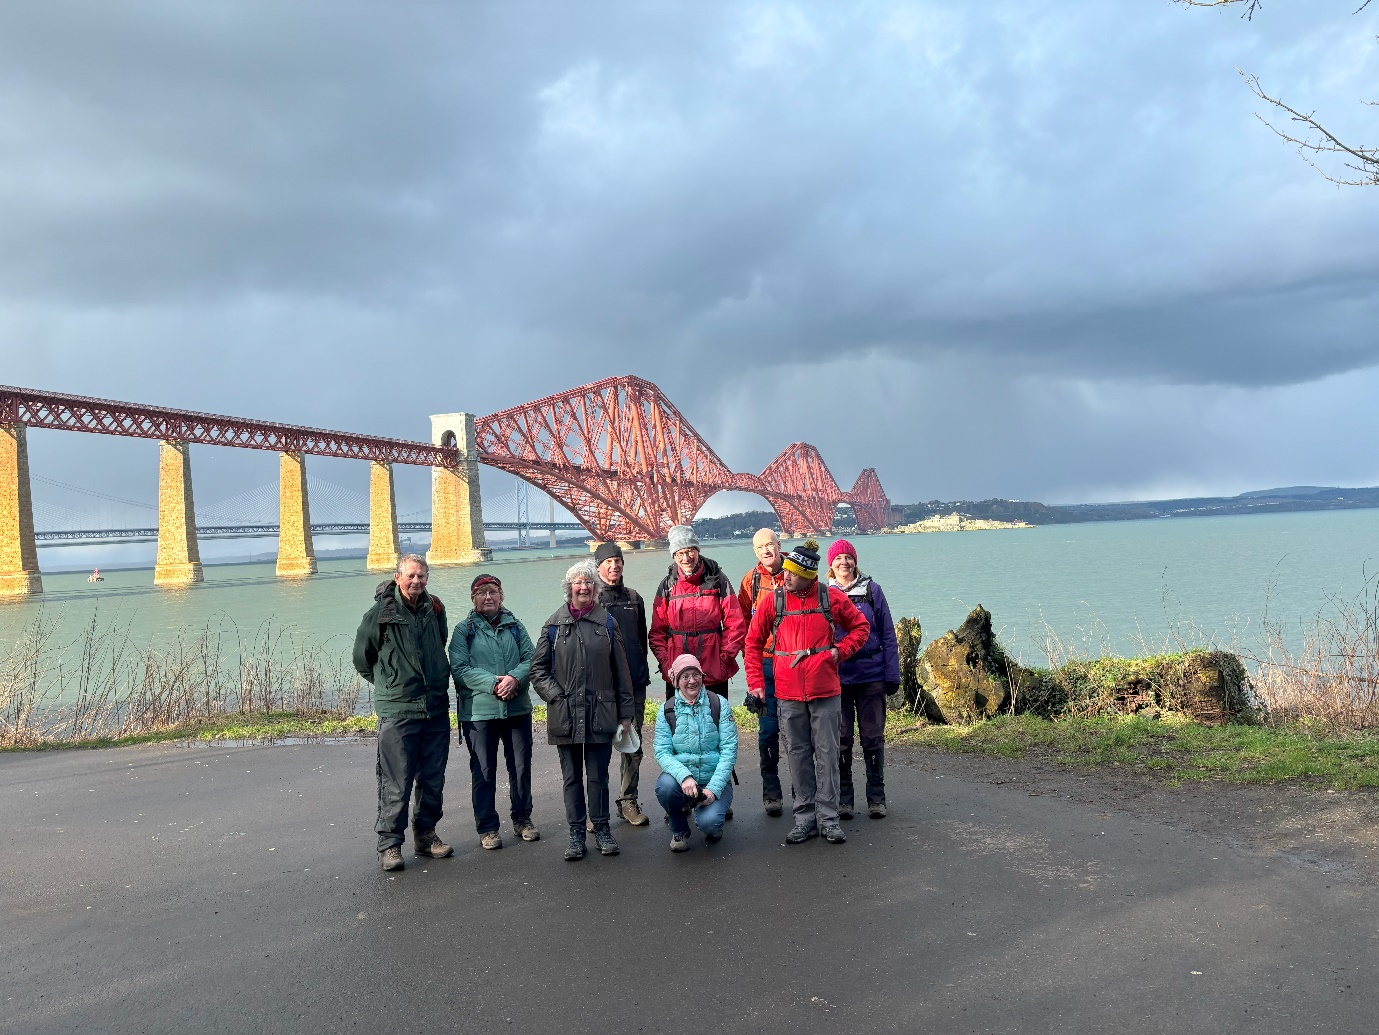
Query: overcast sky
(1038, 249)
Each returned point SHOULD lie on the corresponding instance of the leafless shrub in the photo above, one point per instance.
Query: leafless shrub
(1328, 673)
(104, 685)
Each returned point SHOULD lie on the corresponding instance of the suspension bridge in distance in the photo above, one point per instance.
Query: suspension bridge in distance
(616, 454)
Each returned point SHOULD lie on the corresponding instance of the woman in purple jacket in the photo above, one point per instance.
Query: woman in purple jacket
(867, 677)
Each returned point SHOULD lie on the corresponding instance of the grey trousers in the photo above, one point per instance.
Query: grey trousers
(812, 730)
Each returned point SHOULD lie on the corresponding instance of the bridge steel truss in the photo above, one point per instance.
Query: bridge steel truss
(617, 453)
(131, 420)
(626, 462)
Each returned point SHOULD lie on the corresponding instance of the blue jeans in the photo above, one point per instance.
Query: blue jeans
(708, 818)
(768, 728)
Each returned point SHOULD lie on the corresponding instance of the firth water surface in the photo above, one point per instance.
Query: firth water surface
(1113, 587)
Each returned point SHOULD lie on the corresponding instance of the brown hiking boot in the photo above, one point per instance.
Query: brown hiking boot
(526, 830)
(491, 840)
(391, 859)
(632, 812)
(430, 845)
(774, 806)
(876, 809)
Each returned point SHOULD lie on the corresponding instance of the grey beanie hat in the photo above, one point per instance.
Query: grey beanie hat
(681, 537)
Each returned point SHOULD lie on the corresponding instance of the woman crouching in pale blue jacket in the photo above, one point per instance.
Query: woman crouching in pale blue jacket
(696, 746)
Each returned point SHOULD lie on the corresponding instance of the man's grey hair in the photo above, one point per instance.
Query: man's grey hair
(412, 558)
(579, 570)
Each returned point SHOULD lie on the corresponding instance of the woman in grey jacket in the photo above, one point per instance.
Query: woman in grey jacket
(580, 671)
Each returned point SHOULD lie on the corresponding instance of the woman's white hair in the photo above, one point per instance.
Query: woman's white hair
(584, 569)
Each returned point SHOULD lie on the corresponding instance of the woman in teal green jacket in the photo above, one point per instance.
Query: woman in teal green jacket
(490, 658)
(697, 752)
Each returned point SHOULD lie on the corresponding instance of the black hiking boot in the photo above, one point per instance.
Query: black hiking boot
(575, 849)
(603, 837)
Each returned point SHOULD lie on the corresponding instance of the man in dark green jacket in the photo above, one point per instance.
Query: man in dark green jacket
(400, 649)
(490, 658)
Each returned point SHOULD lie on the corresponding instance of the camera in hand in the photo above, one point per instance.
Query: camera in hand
(700, 798)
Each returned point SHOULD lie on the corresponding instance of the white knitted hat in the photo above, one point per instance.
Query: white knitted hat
(681, 537)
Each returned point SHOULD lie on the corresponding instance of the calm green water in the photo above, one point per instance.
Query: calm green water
(1110, 587)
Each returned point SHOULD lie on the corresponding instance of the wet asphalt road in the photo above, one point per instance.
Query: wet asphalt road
(235, 889)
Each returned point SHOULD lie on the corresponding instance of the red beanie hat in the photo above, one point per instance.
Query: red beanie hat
(841, 546)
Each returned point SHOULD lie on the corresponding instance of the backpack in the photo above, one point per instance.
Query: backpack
(436, 606)
(715, 710)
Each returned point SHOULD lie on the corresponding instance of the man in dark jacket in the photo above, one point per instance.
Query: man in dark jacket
(628, 609)
(400, 649)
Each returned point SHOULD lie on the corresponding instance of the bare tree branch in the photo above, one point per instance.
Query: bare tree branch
(1315, 143)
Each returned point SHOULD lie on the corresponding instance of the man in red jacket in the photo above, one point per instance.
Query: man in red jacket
(801, 622)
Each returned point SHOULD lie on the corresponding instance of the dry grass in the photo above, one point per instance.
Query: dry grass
(102, 686)
(1328, 674)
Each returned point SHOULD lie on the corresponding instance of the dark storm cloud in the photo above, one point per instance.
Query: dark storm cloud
(516, 198)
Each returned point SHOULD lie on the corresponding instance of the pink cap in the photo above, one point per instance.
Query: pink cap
(684, 663)
(839, 547)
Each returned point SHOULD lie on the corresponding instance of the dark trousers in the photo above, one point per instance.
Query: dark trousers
(630, 766)
(411, 754)
(768, 736)
(864, 705)
(721, 689)
(482, 738)
(584, 765)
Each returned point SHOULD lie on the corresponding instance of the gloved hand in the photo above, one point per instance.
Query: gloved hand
(755, 705)
(892, 688)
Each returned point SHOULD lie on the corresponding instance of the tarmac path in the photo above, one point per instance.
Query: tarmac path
(236, 889)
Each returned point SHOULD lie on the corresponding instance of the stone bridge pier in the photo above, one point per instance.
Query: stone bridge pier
(296, 553)
(384, 545)
(179, 556)
(457, 514)
(19, 575)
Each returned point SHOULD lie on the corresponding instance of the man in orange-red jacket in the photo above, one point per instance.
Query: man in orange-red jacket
(801, 621)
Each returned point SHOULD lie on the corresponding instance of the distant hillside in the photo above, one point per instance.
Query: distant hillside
(1259, 501)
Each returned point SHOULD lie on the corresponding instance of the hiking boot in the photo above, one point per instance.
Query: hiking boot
(712, 839)
(632, 813)
(526, 830)
(774, 806)
(391, 859)
(491, 840)
(603, 837)
(845, 811)
(876, 809)
(680, 842)
(430, 845)
(834, 834)
(575, 849)
(729, 813)
(800, 833)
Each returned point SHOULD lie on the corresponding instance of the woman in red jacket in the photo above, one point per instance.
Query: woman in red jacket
(802, 622)
(696, 612)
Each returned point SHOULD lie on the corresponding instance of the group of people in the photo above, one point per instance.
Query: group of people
(820, 657)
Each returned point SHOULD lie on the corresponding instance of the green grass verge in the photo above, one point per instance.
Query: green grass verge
(1174, 748)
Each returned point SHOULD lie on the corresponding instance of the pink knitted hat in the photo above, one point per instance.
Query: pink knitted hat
(841, 546)
(684, 663)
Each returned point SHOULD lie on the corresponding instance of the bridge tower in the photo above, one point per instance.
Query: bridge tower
(19, 574)
(179, 557)
(457, 513)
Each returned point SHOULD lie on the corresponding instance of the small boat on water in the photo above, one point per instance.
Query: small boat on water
(95, 576)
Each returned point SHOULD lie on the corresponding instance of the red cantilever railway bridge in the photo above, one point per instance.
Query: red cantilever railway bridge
(616, 453)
